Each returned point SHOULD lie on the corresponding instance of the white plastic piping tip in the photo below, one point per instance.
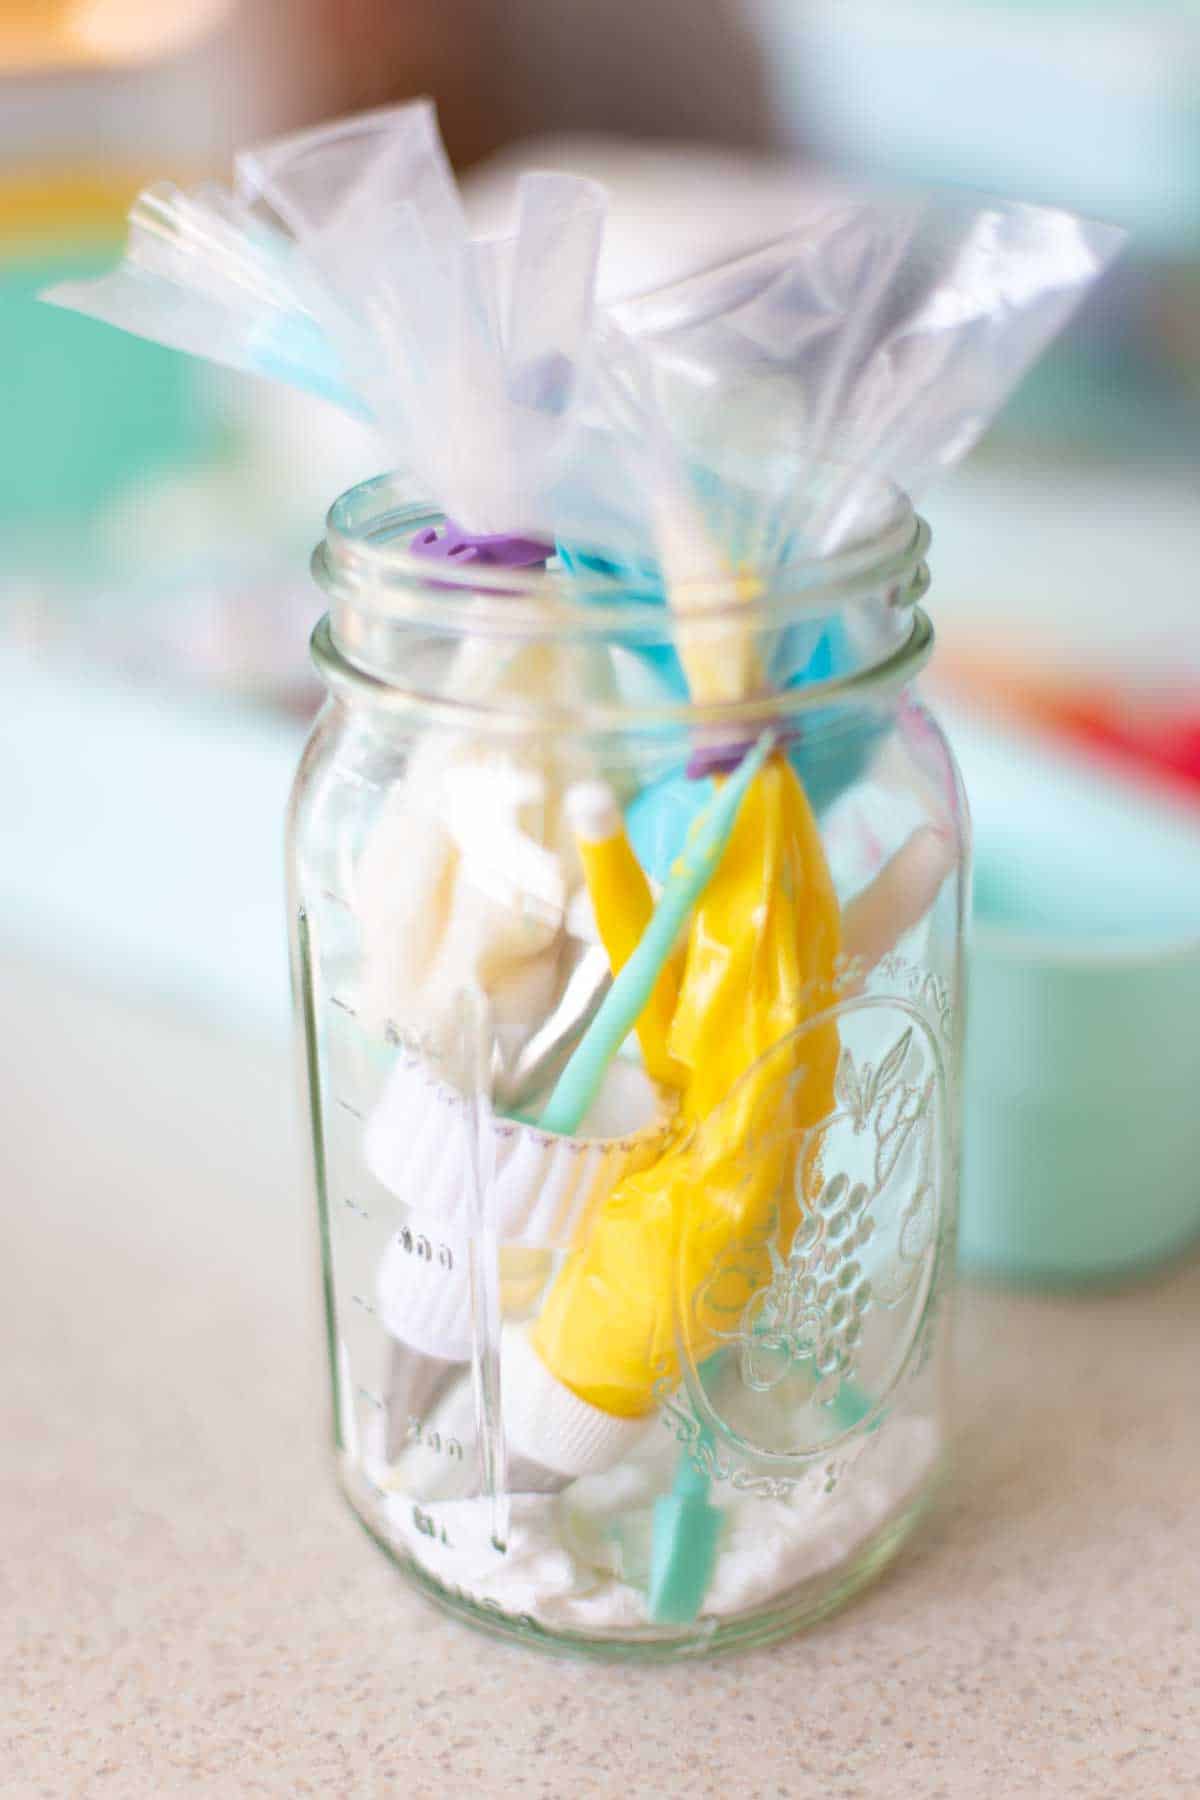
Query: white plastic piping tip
(593, 811)
(549, 1428)
(551, 1436)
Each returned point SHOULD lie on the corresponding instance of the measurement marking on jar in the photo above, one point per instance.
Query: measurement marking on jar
(353, 1206)
(418, 1245)
(338, 899)
(371, 1399)
(361, 1300)
(343, 1005)
(352, 1110)
(428, 1526)
(419, 1432)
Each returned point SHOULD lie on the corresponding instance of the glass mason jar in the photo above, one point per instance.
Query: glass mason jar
(657, 1368)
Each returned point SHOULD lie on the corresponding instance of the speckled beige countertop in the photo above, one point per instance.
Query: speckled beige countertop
(187, 1607)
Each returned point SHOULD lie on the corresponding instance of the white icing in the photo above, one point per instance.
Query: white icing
(470, 867)
(578, 1560)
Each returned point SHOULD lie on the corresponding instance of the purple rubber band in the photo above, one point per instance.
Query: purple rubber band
(499, 551)
(723, 759)
(716, 759)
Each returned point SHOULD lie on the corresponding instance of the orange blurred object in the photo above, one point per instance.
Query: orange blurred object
(40, 209)
(63, 34)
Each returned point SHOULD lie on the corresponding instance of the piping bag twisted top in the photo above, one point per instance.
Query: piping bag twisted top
(340, 261)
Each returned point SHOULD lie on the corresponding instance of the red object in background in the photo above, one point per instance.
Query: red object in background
(1170, 742)
(1156, 734)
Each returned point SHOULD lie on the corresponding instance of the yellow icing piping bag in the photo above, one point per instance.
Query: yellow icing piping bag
(760, 963)
(623, 906)
(629, 994)
(687, 1525)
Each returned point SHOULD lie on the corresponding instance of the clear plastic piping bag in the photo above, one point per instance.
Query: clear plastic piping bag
(805, 381)
(340, 261)
(867, 349)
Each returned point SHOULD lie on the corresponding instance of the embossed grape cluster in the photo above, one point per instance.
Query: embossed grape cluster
(813, 1306)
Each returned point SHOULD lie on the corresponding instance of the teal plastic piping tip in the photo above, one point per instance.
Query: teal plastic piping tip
(683, 1547)
(687, 1526)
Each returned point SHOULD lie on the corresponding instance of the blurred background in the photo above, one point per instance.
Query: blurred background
(157, 514)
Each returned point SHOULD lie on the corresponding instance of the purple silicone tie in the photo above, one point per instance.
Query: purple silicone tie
(499, 551)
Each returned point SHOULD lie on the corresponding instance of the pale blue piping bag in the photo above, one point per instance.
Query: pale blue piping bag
(293, 349)
(630, 992)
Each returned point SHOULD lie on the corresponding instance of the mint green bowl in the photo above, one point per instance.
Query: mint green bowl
(1081, 1147)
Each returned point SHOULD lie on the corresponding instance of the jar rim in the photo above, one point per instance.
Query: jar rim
(365, 564)
(711, 722)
